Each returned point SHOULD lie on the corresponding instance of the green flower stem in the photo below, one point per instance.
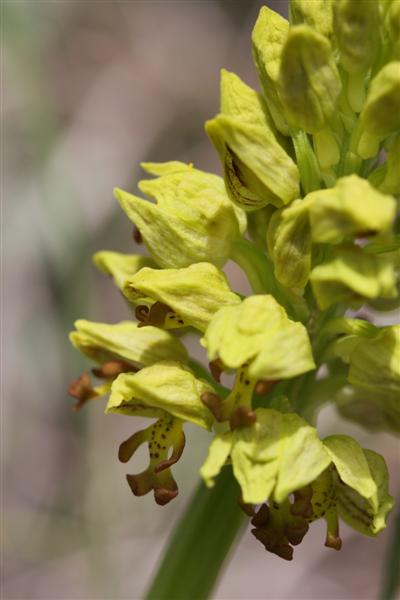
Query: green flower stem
(391, 578)
(200, 543)
(306, 161)
(256, 265)
(260, 274)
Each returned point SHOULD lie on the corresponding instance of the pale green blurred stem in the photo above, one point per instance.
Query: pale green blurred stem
(391, 567)
(307, 163)
(200, 543)
(256, 265)
(259, 270)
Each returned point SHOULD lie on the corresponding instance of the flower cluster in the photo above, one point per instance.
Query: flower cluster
(307, 208)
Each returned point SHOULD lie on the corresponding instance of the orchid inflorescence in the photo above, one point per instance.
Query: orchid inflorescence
(307, 208)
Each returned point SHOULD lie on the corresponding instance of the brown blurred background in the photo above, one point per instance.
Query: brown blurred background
(89, 89)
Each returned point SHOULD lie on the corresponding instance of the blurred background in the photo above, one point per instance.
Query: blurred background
(89, 89)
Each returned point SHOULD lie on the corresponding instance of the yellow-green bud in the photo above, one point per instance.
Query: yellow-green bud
(309, 81)
(317, 14)
(356, 27)
(380, 116)
(375, 361)
(352, 208)
(268, 37)
(257, 170)
(289, 244)
(352, 276)
(362, 494)
(192, 221)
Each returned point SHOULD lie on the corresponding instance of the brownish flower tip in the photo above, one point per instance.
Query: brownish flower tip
(333, 541)
(81, 389)
(175, 456)
(163, 495)
(242, 417)
(214, 404)
(129, 446)
(263, 387)
(137, 236)
(248, 509)
(262, 517)
(124, 452)
(140, 484)
(268, 540)
(133, 484)
(283, 550)
(216, 368)
(295, 534)
(112, 368)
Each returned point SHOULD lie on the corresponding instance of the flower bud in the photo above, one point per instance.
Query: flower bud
(316, 14)
(268, 37)
(289, 244)
(193, 219)
(356, 27)
(374, 410)
(351, 276)
(309, 81)
(257, 170)
(352, 208)
(360, 479)
(375, 361)
(380, 116)
(351, 465)
(359, 512)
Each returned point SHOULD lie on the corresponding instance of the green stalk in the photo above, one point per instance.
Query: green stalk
(259, 271)
(255, 263)
(306, 161)
(391, 579)
(200, 543)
